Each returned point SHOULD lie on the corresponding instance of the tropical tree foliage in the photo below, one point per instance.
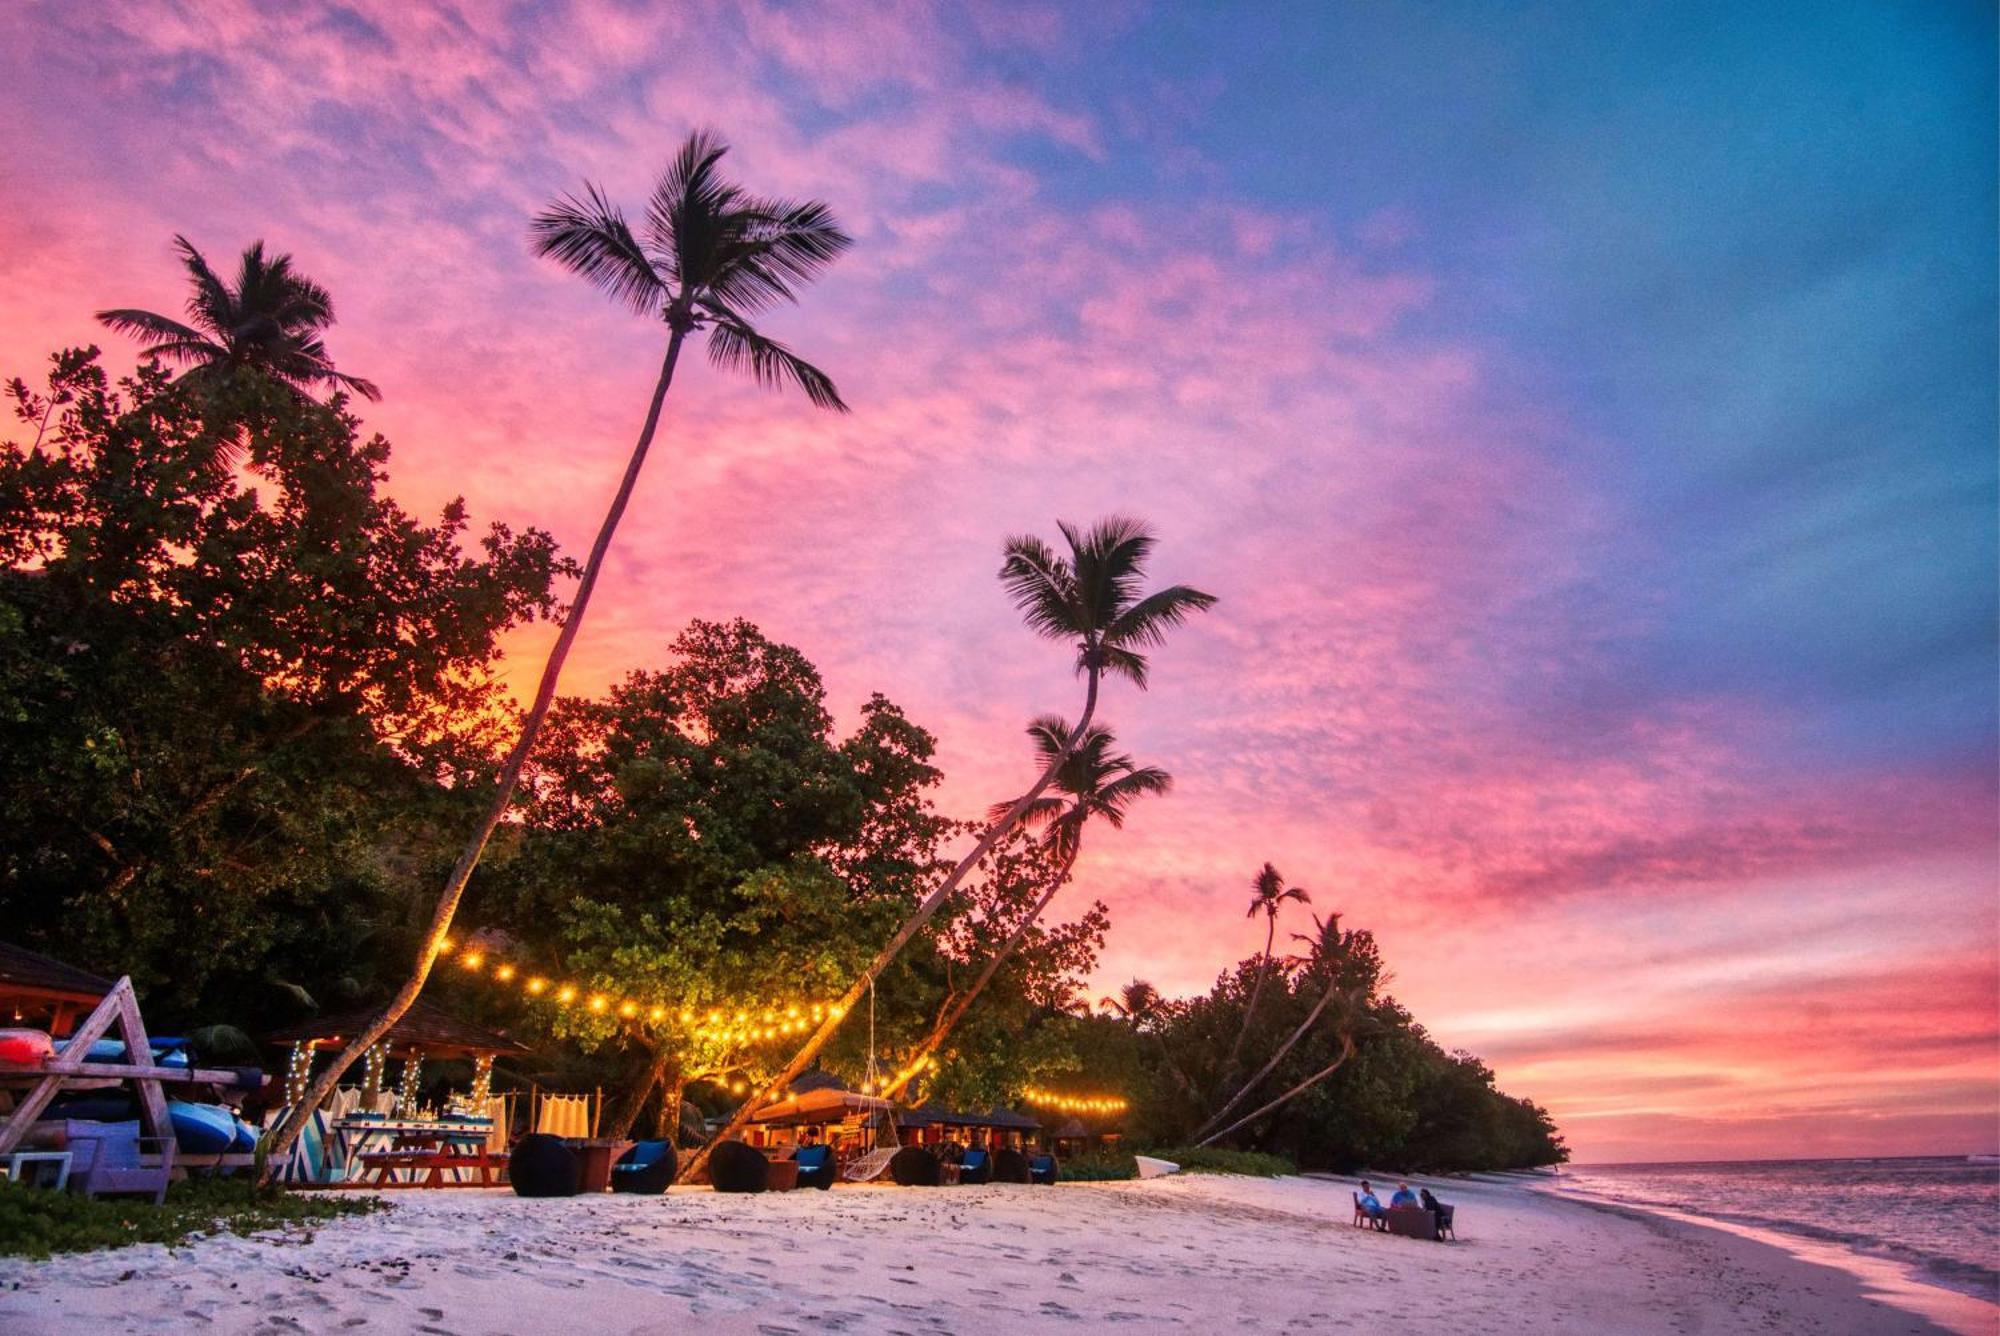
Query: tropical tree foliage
(231, 704)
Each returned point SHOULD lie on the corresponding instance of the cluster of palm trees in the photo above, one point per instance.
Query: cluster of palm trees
(706, 260)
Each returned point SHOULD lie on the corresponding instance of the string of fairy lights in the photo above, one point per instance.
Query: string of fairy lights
(1050, 1099)
(732, 1026)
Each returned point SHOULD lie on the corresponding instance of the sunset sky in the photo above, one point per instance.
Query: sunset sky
(1585, 415)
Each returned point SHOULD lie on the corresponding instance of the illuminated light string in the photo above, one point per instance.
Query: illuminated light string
(734, 1025)
(1051, 1099)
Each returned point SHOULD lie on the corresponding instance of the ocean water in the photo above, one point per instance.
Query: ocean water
(1938, 1215)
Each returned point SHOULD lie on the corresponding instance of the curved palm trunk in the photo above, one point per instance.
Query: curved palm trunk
(911, 925)
(955, 1011)
(1250, 1010)
(1346, 1052)
(1276, 1058)
(503, 794)
(618, 1123)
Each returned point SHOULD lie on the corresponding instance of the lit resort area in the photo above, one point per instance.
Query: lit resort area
(999, 667)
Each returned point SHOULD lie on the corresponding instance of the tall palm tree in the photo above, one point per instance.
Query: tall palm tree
(1268, 895)
(1095, 782)
(272, 320)
(1089, 598)
(707, 258)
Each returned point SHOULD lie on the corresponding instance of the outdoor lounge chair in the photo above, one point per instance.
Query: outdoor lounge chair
(915, 1167)
(736, 1167)
(648, 1167)
(1444, 1229)
(542, 1166)
(110, 1159)
(976, 1167)
(1010, 1166)
(1363, 1218)
(1042, 1169)
(815, 1166)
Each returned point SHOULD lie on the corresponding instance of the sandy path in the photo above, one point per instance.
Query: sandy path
(1185, 1254)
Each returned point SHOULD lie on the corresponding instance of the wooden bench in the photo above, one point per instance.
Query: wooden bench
(432, 1163)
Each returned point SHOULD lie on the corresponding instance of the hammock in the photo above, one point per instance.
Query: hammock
(870, 1166)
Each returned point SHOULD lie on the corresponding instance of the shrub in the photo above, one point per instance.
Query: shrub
(1213, 1160)
(1098, 1166)
(35, 1222)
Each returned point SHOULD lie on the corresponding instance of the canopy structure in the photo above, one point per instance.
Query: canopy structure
(819, 1097)
(37, 987)
(426, 1030)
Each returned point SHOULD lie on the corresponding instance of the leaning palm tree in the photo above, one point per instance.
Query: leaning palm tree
(1352, 1014)
(273, 319)
(1095, 782)
(1268, 895)
(1138, 1003)
(707, 258)
(1089, 598)
(1326, 943)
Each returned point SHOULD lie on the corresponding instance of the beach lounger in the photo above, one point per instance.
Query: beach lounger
(815, 1166)
(648, 1167)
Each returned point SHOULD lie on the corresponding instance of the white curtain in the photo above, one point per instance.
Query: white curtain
(565, 1116)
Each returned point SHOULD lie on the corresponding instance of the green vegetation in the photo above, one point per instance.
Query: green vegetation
(1101, 1166)
(1212, 1160)
(35, 1222)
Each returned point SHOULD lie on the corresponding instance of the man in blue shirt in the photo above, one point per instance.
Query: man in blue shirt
(1367, 1201)
(1403, 1197)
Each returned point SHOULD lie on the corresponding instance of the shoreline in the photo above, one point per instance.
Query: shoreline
(1899, 1284)
(1189, 1253)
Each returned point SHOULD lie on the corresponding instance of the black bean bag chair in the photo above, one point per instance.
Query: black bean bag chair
(815, 1167)
(915, 1167)
(648, 1167)
(976, 1167)
(1010, 1166)
(541, 1166)
(735, 1167)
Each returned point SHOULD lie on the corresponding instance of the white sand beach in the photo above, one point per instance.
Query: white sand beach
(1197, 1253)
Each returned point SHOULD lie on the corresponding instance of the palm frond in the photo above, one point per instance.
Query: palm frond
(1138, 782)
(1050, 734)
(1147, 621)
(689, 216)
(211, 304)
(1041, 586)
(733, 345)
(589, 237)
(148, 327)
(1120, 662)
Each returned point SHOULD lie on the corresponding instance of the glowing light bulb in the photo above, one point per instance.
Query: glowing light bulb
(537, 985)
(628, 1009)
(566, 993)
(445, 945)
(504, 973)
(656, 1015)
(599, 1002)
(472, 960)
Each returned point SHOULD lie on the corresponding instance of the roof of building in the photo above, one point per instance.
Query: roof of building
(30, 973)
(936, 1115)
(424, 1028)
